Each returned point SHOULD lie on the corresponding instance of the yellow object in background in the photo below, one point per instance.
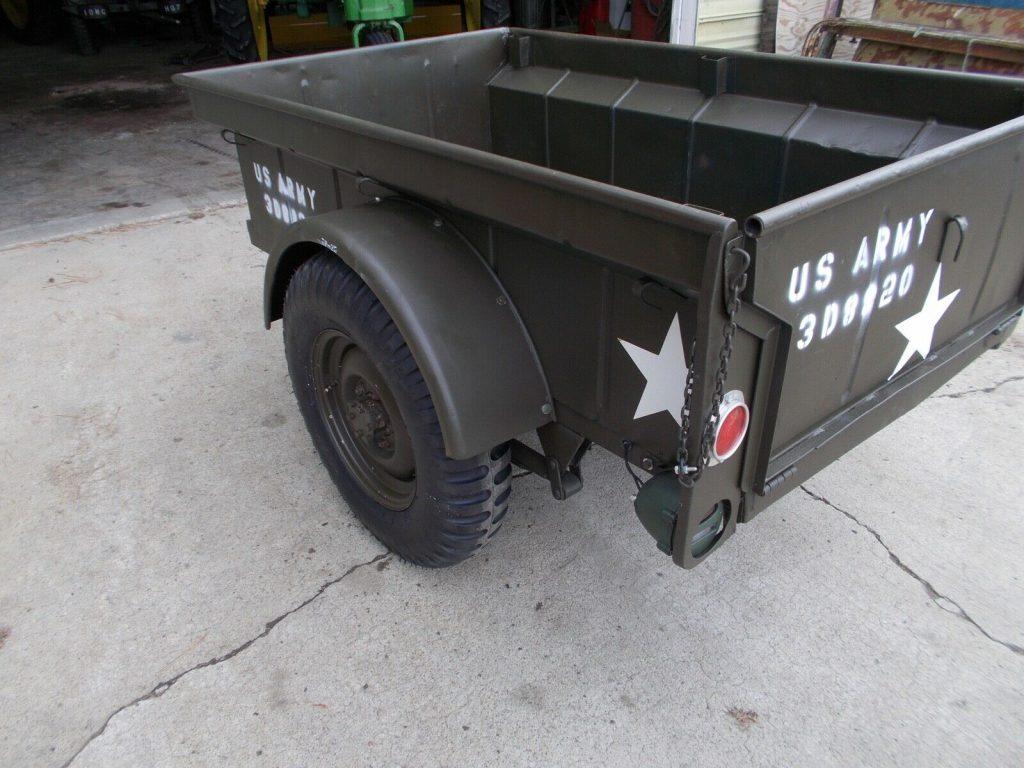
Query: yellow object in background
(293, 34)
(472, 15)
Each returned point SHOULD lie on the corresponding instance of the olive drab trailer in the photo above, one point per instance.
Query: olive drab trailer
(726, 268)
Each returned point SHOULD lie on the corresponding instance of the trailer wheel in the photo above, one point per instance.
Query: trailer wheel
(236, 33)
(373, 422)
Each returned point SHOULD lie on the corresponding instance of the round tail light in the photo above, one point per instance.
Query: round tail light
(733, 420)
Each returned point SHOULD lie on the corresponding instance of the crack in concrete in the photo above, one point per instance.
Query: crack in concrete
(161, 688)
(215, 150)
(981, 390)
(942, 601)
(113, 226)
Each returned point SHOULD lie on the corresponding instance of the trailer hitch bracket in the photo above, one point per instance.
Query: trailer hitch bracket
(560, 462)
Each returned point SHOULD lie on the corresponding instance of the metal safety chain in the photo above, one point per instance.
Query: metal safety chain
(689, 474)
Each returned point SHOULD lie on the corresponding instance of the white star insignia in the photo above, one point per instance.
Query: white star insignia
(665, 373)
(919, 329)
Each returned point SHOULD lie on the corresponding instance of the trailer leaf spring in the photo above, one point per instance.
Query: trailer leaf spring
(689, 474)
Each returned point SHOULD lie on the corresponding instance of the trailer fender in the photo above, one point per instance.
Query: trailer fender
(466, 336)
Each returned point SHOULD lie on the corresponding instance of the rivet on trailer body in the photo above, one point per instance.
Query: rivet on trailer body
(502, 301)
(437, 222)
(546, 409)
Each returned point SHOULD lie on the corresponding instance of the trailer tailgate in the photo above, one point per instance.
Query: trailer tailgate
(881, 281)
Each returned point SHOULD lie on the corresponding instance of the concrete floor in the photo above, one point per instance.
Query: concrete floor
(103, 140)
(181, 585)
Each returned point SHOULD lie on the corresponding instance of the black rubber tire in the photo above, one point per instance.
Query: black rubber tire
(200, 19)
(378, 37)
(237, 36)
(495, 13)
(457, 504)
(43, 23)
(84, 36)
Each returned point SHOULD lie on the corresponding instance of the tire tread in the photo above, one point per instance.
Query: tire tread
(469, 497)
(238, 39)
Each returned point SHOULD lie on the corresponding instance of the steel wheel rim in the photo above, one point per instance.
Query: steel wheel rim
(16, 12)
(363, 420)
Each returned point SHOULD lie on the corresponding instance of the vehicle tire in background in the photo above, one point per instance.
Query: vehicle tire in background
(84, 35)
(231, 17)
(379, 37)
(30, 21)
(495, 13)
(200, 19)
(373, 422)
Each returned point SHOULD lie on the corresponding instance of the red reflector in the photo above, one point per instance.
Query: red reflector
(731, 431)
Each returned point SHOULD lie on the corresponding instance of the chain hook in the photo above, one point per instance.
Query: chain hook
(688, 474)
(739, 278)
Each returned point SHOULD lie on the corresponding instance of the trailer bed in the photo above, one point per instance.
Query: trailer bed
(608, 184)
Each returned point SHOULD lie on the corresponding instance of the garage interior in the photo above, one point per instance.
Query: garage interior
(180, 583)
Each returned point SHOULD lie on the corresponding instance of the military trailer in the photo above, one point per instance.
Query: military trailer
(728, 269)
